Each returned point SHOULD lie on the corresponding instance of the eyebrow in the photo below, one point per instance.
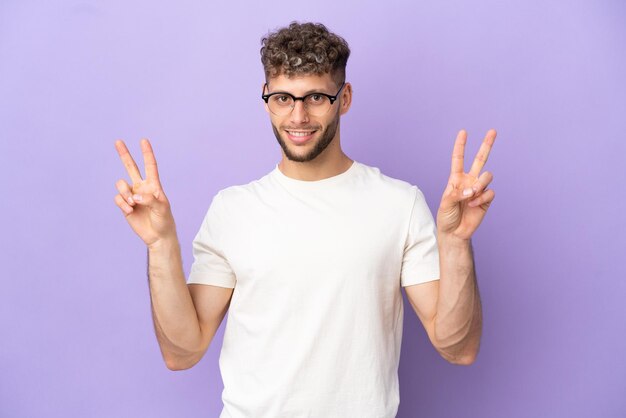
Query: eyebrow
(305, 93)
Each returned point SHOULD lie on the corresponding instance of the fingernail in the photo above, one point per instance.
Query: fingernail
(137, 197)
(130, 201)
(467, 192)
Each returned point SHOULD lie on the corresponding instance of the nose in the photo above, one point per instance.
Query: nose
(299, 113)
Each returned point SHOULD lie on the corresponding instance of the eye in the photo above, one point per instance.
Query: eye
(281, 99)
(316, 99)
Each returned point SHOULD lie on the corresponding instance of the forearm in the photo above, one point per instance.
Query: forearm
(458, 322)
(174, 315)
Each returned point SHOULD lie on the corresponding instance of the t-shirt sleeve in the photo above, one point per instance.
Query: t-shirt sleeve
(210, 265)
(420, 262)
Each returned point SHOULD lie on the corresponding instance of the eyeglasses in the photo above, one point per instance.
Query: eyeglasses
(316, 104)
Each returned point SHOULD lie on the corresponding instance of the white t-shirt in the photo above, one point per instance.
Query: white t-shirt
(315, 321)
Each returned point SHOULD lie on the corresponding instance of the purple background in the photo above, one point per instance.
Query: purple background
(76, 334)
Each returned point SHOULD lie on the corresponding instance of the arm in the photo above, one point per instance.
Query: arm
(450, 308)
(186, 317)
(457, 323)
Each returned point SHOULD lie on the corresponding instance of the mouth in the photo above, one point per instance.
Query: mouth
(300, 137)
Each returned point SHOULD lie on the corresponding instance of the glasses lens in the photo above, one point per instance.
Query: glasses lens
(314, 104)
(317, 104)
(280, 104)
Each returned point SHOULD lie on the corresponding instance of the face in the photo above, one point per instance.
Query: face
(301, 136)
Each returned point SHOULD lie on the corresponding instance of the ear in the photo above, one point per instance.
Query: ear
(267, 109)
(346, 98)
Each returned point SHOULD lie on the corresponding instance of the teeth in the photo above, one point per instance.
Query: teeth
(292, 133)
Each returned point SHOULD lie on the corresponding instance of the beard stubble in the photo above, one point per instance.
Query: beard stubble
(327, 137)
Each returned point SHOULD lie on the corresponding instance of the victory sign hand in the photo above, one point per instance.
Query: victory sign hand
(466, 198)
(144, 204)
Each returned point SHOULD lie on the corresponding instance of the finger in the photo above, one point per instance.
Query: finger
(484, 200)
(152, 173)
(455, 193)
(121, 203)
(125, 191)
(128, 161)
(458, 152)
(483, 153)
(149, 199)
(482, 182)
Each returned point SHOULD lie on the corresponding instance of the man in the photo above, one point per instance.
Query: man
(310, 259)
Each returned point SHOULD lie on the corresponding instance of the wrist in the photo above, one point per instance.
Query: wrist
(164, 243)
(451, 240)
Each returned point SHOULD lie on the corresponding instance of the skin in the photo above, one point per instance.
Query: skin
(186, 317)
(450, 309)
(306, 152)
(460, 215)
(322, 156)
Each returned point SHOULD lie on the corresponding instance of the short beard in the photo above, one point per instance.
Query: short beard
(327, 137)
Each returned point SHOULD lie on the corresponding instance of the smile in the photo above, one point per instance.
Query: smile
(300, 137)
(300, 133)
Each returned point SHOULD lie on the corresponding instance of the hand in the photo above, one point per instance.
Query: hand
(145, 205)
(459, 215)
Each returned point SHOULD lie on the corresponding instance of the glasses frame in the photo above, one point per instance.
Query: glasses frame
(332, 99)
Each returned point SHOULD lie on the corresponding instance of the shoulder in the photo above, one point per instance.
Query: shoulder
(241, 194)
(387, 185)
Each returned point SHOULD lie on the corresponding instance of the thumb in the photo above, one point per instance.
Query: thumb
(146, 199)
(453, 195)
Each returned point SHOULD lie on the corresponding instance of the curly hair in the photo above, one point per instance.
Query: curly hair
(304, 49)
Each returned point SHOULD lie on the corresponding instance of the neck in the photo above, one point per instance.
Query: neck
(321, 168)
